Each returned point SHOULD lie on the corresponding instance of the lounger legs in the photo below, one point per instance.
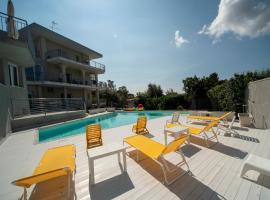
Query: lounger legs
(206, 138)
(166, 169)
(24, 193)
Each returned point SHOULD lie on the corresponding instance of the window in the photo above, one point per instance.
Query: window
(29, 73)
(13, 74)
(38, 73)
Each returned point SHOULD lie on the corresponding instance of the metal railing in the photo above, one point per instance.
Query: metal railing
(16, 28)
(44, 106)
(15, 23)
(97, 65)
(42, 76)
(62, 53)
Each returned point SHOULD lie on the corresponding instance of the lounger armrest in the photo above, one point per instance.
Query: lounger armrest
(30, 180)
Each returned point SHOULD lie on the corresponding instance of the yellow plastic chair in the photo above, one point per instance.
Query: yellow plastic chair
(93, 136)
(201, 131)
(140, 127)
(55, 163)
(156, 151)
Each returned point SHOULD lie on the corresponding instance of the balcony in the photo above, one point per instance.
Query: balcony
(15, 41)
(41, 78)
(10, 27)
(60, 56)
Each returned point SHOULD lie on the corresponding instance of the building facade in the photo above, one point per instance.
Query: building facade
(63, 68)
(15, 56)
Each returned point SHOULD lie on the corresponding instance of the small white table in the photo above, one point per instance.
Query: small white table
(103, 151)
(175, 132)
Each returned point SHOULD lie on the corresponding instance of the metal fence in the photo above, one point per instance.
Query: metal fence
(34, 106)
(15, 24)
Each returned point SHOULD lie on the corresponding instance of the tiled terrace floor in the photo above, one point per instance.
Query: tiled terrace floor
(215, 170)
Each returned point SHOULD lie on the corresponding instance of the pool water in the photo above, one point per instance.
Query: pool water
(110, 120)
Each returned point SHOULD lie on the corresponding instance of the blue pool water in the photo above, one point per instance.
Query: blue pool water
(110, 120)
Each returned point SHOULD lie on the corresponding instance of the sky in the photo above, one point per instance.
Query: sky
(161, 41)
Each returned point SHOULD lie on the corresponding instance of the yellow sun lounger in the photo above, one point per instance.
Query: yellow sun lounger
(200, 131)
(156, 151)
(56, 162)
(207, 118)
(93, 136)
(140, 127)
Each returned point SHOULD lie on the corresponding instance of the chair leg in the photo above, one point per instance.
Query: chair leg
(215, 134)
(184, 159)
(24, 193)
(163, 167)
(206, 140)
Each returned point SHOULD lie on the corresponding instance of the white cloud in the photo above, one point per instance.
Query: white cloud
(179, 40)
(242, 17)
(115, 36)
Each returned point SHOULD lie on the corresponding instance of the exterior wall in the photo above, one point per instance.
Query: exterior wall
(15, 93)
(53, 73)
(5, 113)
(19, 104)
(5, 72)
(259, 102)
(75, 74)
(2, 77)
(52, 92)
(75, 93)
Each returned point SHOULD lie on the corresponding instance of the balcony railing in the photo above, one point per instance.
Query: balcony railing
(15, 23)
(97, 65)
(67, 55)
(15, 28)
(41, 76)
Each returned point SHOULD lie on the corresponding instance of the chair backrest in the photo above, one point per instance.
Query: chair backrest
(210, 125)
(174, 145)
(141, 124)
(225, 115)
(175, 117)
(93, 131)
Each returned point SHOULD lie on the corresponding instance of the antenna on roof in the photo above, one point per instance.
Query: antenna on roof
(54, 23)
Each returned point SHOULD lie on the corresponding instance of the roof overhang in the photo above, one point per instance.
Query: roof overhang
(40, 31)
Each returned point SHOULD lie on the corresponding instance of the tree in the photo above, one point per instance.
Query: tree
(221, 97)
(154, 90)
(122, 94)
(196, 90)
(170, 92)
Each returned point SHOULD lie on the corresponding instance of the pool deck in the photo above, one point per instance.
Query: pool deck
(215, 170)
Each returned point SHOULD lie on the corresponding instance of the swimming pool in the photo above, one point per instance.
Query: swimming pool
(110, 120)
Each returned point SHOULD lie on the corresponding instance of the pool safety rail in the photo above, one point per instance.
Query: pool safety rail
(34, 106)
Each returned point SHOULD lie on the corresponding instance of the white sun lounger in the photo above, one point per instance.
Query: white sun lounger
(256, 163)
